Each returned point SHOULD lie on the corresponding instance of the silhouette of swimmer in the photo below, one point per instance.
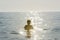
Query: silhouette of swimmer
(28, 27)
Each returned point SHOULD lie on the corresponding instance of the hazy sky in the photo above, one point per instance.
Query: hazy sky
(24, 5)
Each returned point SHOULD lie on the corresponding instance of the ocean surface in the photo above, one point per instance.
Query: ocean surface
(46, 24)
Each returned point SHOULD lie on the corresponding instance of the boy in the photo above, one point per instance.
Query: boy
(28, 27)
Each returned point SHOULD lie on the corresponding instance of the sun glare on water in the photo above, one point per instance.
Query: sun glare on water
(36, 22)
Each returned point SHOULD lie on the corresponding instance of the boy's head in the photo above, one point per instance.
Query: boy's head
(28, 22)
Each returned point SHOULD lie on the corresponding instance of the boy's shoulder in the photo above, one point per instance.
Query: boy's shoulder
(30, 25)
(25, 25)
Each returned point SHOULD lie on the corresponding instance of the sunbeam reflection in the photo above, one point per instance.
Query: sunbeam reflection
(36, 21)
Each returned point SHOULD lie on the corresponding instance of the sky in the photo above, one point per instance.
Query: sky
(29, 5)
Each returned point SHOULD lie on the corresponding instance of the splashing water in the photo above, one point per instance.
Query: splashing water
(36, 22)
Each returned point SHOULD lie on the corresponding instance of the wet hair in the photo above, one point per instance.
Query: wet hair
(28, 20)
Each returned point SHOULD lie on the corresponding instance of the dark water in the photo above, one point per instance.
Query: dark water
(12, 22)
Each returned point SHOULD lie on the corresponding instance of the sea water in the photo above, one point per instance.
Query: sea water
(46, 24)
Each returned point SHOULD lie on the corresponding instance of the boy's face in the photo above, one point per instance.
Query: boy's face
(28, 23)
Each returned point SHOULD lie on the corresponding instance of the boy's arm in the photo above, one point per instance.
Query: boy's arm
(31, 27)
(25, 27)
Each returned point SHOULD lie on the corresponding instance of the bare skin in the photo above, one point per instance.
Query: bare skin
(28, 27)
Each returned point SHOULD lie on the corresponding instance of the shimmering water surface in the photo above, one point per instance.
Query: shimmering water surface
(46, 25)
